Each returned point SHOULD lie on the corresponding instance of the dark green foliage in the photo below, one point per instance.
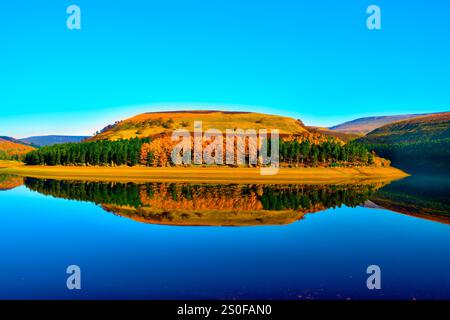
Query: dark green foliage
(121, 152)
(306, 198)
(329, 152)
(420, 156)
(428, 194)
(273, 197)
(167, 124)
(5, 156)
(97, 192)
(418, 145)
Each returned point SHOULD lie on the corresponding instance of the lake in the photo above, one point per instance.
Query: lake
(194, 241)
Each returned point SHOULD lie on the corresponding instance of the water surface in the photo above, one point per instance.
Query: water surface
(184, 241)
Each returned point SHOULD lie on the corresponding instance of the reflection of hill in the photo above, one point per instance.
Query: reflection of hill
(210, 217)
(424, 197)
(8, 182)
(201, 204)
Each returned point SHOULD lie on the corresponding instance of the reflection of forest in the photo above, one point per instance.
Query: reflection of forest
(427, 197)
(201, 204)
(8, 182)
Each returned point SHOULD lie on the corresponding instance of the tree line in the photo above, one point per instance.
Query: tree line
(5, 156)
(104, 152)
(292, 152)
(271, 197)
(328, 152)
(136, 151)
(416, 156)
(123, 194)
(298, 198)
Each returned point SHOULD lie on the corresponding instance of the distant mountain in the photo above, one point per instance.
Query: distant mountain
(13, 140)
(418, 129)
(335, 134)
(363, 126)
(41, 141)
(11, 150)
(156, 123)
(419, 144)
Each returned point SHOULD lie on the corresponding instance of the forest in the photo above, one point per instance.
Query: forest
(421, 156)
(5, 156)
(293, 152)
(157, 153)
(329, 152)
(104, 152)
(223, 197)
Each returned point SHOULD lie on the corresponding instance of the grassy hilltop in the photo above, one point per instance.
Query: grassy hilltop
(156, 123)
(146, 140)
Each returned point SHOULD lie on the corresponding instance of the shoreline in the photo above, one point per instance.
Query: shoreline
(216, 175)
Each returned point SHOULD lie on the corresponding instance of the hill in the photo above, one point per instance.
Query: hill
(421, 144)
(346, 137)
(157, 123)
(41, 141)
(365, 125)
(13, 140)
(12, 150)
(422, 128)
(145, 140)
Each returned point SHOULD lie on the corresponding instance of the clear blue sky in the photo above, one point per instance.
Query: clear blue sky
(314, 60)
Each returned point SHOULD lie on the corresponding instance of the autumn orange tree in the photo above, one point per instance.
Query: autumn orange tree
(157, 152)
(300, 150)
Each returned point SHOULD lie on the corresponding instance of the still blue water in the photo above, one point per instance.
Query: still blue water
(323, 256)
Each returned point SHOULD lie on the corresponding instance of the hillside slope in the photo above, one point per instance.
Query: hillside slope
(423, 128)
(420, 145)
(12, 150)
(41, 141)
(157, 123)
(365, 125)
(346, 137)
(11, 139)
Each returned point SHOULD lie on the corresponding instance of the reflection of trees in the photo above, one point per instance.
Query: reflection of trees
(199, 197)
(97, 192)
(8, 181)
(181, 196)
(424, 196)
(306, 197)
(207, 205)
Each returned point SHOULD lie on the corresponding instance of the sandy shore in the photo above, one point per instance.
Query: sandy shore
(210, 175)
